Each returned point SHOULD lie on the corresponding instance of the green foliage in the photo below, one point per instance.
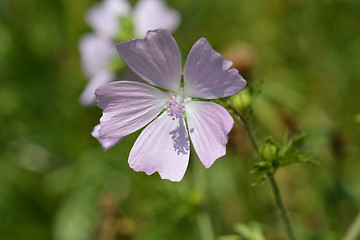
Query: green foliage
(290, 151)
(53, 174)
(251, 231)
(357, 118)
(256, 89)
(116, 65)
(274, 156)
(230, 237)
(127, 29)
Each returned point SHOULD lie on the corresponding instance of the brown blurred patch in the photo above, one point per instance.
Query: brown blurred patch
(289, 122)
(108, 211)
(338, 144)
(238, 140)
(111, 225)
(243, 57)
(314, 221)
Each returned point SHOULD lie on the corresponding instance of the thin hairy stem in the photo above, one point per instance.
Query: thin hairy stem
(281, 207)
(275, 189)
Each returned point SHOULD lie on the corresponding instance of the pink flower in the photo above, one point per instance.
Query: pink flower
(98, 49)
(164, 144)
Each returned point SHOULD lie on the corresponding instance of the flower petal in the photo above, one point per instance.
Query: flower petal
(209, 124)
(87, 97)
(128, 106)
(152, 14)
(106, 143)
(95, 53)
(104, 16)
(156, 59)
(206, 73)
(162, 147)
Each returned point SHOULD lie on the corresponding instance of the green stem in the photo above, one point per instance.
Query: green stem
(281, 208)
(273, 183)
(203, 217)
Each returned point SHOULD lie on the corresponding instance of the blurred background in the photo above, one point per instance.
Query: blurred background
(56, 182)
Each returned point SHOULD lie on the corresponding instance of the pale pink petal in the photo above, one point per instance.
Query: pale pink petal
(95, 53)
(209, 124)
(106, 143)
(152, 14)
(128, 106)
(87, 97)
(156, 59)
(206, 73)
(162, 147)
(104, 17)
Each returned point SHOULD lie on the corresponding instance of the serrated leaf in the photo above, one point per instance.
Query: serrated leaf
(274, 156)
(294, 142)
(256, 89)
(260, 179)
(261, 170)
(290, 152)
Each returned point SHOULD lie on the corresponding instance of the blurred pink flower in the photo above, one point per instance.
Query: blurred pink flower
(98, 48)
(163, 146)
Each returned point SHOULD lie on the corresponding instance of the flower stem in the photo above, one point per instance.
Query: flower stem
(274, 186)
(281, 208)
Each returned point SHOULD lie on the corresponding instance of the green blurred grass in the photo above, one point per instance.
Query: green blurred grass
(57, 183)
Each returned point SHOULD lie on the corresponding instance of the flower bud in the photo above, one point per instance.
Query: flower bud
(269, 150)
(241, 101)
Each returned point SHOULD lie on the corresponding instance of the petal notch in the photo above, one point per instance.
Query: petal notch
(156, 59)
(162, 147)
(209, 124)
(206, 73)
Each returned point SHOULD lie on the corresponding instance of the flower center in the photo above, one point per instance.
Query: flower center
(175, 107)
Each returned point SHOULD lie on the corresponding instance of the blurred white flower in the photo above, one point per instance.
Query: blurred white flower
(99, 48)
(153, 14)
(104, 17)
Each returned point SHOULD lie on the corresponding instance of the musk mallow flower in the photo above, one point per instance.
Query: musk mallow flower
(107, 18)
(172, 117)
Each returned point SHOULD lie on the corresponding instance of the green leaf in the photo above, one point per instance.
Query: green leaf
(230, 237)
(262, 170)
(291, 153)
(251, 231)
(256, 89)
(274, 156)
(295, 141)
